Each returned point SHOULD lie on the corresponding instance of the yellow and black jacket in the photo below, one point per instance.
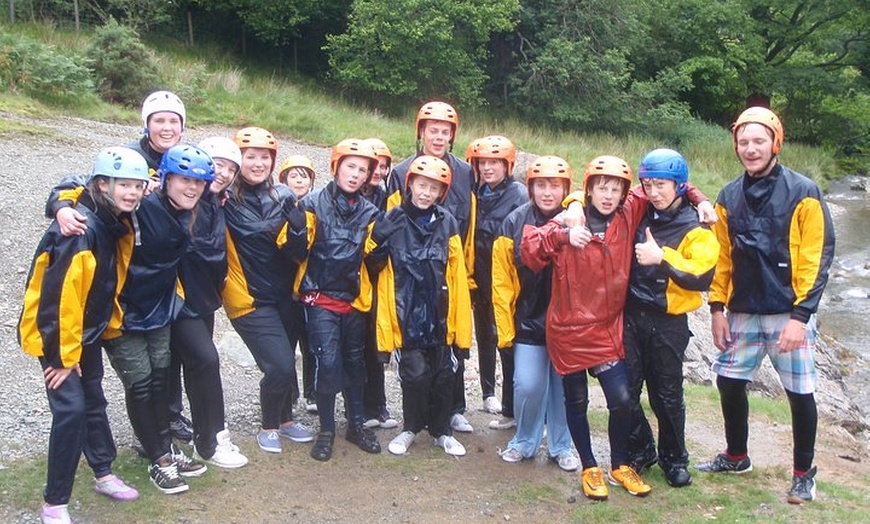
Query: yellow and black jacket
(333, 246)
(520, 297)
(493, 206)
(71, 287)
(151, 156)
(259, 271)
(690, 253)
(149, 294)
(423, 299)
(777, 245)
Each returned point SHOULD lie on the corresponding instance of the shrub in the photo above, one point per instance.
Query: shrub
(123, 66)
(42, 71)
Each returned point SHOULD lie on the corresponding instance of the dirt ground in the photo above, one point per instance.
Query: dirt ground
(424, 486)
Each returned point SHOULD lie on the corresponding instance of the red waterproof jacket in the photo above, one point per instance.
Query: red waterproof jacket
(584, 319)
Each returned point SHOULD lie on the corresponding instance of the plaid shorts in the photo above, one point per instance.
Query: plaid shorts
(754, 336)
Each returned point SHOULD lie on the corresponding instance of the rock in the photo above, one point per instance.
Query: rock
(859, 185)
(834, 401)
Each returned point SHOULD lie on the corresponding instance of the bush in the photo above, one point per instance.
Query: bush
(42, 71)
(124, 67)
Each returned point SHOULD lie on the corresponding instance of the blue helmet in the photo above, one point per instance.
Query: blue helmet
(667, 164)
(120, 162)
(186, 160)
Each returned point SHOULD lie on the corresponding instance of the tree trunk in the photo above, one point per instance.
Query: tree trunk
(190, 27)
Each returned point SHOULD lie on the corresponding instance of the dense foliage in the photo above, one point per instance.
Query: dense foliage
(620, 66)
(123, 67)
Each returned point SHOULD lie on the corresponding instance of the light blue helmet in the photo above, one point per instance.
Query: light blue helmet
(667, 164)
(186, 160)
(121, 162)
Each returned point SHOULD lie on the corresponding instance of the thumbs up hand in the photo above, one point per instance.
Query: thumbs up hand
(648, 253)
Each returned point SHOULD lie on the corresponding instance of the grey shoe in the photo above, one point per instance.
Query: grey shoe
(721, 463)
(803, 487)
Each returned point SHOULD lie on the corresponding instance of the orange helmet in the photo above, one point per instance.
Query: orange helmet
(494, 147)
(549, 167)
(296, 161)
(607, 165)
(430, 167)
(380, 148)
(352, 147)
(470, 150)
(441, 111)
(257, 137)
(765, 117)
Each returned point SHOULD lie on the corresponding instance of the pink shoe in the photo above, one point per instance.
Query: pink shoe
(115, 489)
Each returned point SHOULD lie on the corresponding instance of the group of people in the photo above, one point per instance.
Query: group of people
(408, 262)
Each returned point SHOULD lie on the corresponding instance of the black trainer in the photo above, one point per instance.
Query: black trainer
(803, 487)
(678, 476)
(187, 467)
(323, 444)
(722, 463)
(364, 438)
(181, 428)
(166, 478)
(643, 462)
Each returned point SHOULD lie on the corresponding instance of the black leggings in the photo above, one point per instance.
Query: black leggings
(735, 411)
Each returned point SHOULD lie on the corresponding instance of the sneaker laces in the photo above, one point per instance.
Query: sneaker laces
(595, 475)
(630, 475)
(170, 472)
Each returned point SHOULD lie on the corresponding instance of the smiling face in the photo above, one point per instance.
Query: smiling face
(381, 171)
(298, 180)
(164, 130)
(606, 193)
(352, 173)
(184, 192)
(256, 165)
(125, 193)
(425, 192)
(224, 174)
(548, 194)
(492, 171)
(436, 137)
(660, 191)
(755, 149)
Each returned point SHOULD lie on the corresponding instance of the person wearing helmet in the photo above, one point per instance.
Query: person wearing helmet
(674, 262)
(259, 284)
(375, 409)
(777, 246)
(492, 159)
(147, 303)
(519, 299)
(163, 121)
(423, 302)
(227, 158)
(63, 331)
(328, 235)
(202, 273)
(297, 173)
(436, 127)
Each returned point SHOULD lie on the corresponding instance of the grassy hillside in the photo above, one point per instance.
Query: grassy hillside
(221, 89)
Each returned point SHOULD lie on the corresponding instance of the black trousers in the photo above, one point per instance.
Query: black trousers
(427, 383)
(487, 342)
(267, 333)
(655, 346)
(78, 424)
(191, 341)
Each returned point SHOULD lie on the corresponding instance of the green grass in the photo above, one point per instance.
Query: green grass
(221, 89)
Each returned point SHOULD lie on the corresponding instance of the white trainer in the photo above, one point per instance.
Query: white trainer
(503, 423)
(451, 445)
(403, 441)
(491, 405)
(511, 455)
(227, 454)
(567, 461)
(459, 423)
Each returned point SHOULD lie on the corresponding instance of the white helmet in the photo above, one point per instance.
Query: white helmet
(221, 147)
(162, 101)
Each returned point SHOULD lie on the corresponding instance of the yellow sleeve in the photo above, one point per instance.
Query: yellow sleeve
(505, 290)
(459, 303)
(469, 247)
(720, 289)
(74, 293)
(388, 331)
